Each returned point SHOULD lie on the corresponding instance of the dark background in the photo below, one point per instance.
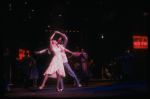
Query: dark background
(117, 20)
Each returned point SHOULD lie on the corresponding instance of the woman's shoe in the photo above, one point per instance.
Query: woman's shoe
(41, 87)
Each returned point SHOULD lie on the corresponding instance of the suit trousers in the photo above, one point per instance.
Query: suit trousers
(71, 73)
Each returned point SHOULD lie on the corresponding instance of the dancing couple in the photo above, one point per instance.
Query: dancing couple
(58, 62)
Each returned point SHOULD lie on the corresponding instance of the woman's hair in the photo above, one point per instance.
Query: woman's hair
(54, 41)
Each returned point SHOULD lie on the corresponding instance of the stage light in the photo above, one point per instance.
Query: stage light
(32, 10)
(25, 2)
(48, 26)
(102, 36)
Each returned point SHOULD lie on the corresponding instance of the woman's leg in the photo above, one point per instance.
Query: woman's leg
(45, 79)
(58, 81)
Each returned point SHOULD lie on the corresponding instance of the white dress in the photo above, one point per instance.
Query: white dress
(56, 64)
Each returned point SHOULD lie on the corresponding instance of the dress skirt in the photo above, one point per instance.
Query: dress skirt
(56, 65)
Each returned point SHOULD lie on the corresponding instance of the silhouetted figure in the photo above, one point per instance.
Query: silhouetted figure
(6, 65)
(90, 66)
(128, 60)
(34, 72)
(84, 66)
(26, 61)
(77, 67)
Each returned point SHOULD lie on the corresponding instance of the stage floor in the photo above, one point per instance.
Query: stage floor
(94, 89)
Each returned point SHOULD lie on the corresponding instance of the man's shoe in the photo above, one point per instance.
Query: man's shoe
(61, 89)
(79, 85)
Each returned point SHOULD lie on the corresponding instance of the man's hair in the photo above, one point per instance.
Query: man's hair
(62, 39)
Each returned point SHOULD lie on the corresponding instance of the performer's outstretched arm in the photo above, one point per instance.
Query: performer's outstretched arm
(47, 49)
(43, 51)
(64, 49)
(68, 51)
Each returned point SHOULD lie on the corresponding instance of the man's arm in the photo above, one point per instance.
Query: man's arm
(68, 51)
(64, 49)
(65, 40)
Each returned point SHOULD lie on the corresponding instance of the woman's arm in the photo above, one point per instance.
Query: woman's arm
(40, 52)
(43, 51)
(49, 52)
(51, 39)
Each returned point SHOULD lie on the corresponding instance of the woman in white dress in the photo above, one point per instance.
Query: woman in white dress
(56, 68)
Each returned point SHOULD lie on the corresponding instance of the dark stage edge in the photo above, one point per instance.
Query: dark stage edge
(94, 89)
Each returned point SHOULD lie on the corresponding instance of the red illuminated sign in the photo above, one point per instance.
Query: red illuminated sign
(22, 54)
(140, 42)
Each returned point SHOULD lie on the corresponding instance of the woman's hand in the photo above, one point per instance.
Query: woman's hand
(58, 32)
(53, 35)
(36, 52)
